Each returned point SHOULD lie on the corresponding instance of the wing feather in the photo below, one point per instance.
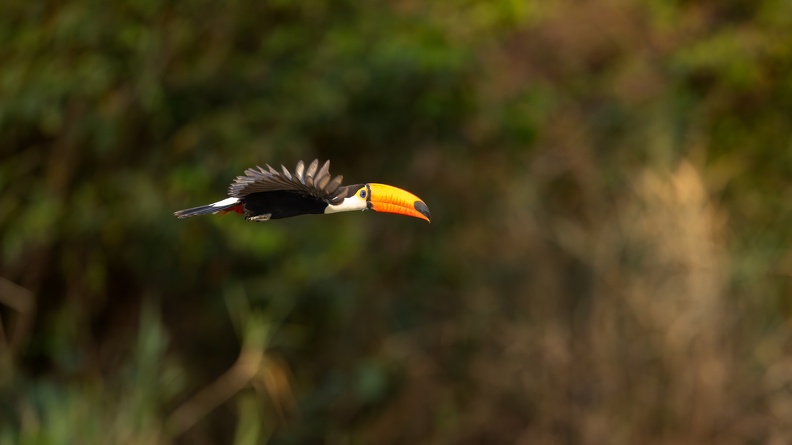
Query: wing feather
(322, 181)
(310, 181)
(286, 173)
(299, 172)
(325, 170)
(312, 169)
(333, 186)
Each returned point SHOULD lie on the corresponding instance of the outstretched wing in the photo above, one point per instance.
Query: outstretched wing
(312, 181)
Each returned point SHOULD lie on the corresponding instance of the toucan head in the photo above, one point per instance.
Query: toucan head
(381, 198)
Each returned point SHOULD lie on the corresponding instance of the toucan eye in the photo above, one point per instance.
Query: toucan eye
(363, 194)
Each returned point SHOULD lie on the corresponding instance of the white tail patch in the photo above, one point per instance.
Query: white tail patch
(226, 202)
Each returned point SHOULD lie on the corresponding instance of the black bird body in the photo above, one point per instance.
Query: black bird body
(281, 204)
(264, 194)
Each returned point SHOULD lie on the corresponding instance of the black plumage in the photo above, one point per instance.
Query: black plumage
(310, 182)
(283, 194)
(271, 194)
(262, 194)
(280, 204)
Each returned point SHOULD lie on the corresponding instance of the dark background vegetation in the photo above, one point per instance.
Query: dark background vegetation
(608, 263)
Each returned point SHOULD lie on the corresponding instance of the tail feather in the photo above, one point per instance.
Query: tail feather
(218, 207)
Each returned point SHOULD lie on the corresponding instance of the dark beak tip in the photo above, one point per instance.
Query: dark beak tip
(422, 208)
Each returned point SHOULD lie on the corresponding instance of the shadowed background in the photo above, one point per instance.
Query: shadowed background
(608, 262)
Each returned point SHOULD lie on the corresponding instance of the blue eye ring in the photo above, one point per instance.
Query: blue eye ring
(363, 194)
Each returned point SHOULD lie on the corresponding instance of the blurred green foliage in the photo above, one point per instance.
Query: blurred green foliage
(608, 260)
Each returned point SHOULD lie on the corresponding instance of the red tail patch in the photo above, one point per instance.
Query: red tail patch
(239, 208)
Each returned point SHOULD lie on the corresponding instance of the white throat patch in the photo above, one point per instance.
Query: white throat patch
(350, 204)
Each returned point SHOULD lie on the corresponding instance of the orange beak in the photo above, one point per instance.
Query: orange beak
(389, 199)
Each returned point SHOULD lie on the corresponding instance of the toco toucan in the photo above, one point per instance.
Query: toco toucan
(264, 194)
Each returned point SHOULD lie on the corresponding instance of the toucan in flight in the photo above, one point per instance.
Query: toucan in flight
(264, 194)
